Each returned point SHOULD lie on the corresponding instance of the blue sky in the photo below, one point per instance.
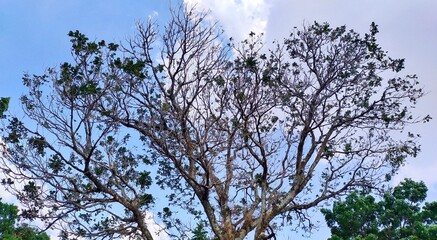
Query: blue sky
(33, 36)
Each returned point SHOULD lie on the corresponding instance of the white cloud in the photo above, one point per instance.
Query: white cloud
(238, 18)
(419, 171)
(155, 228)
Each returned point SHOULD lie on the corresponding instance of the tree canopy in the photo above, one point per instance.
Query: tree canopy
(241, 138)
(9, 229)
(400, 214)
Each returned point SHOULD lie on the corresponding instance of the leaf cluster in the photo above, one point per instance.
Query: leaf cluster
(402, 213)
(9, 228)
(4, 103)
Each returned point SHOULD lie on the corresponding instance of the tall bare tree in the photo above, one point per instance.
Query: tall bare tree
(241, 136)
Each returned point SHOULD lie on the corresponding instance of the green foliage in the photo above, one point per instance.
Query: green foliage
(144, 179)
(199, 233)
(8, 229)
(358, 213)
(4, 104)
(8, 217)
(398, 215)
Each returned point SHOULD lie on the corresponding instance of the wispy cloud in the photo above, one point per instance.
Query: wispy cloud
(238, 18)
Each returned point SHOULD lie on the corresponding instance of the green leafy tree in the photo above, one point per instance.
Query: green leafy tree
(9, 229)
(401, 214)
(237, 136)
